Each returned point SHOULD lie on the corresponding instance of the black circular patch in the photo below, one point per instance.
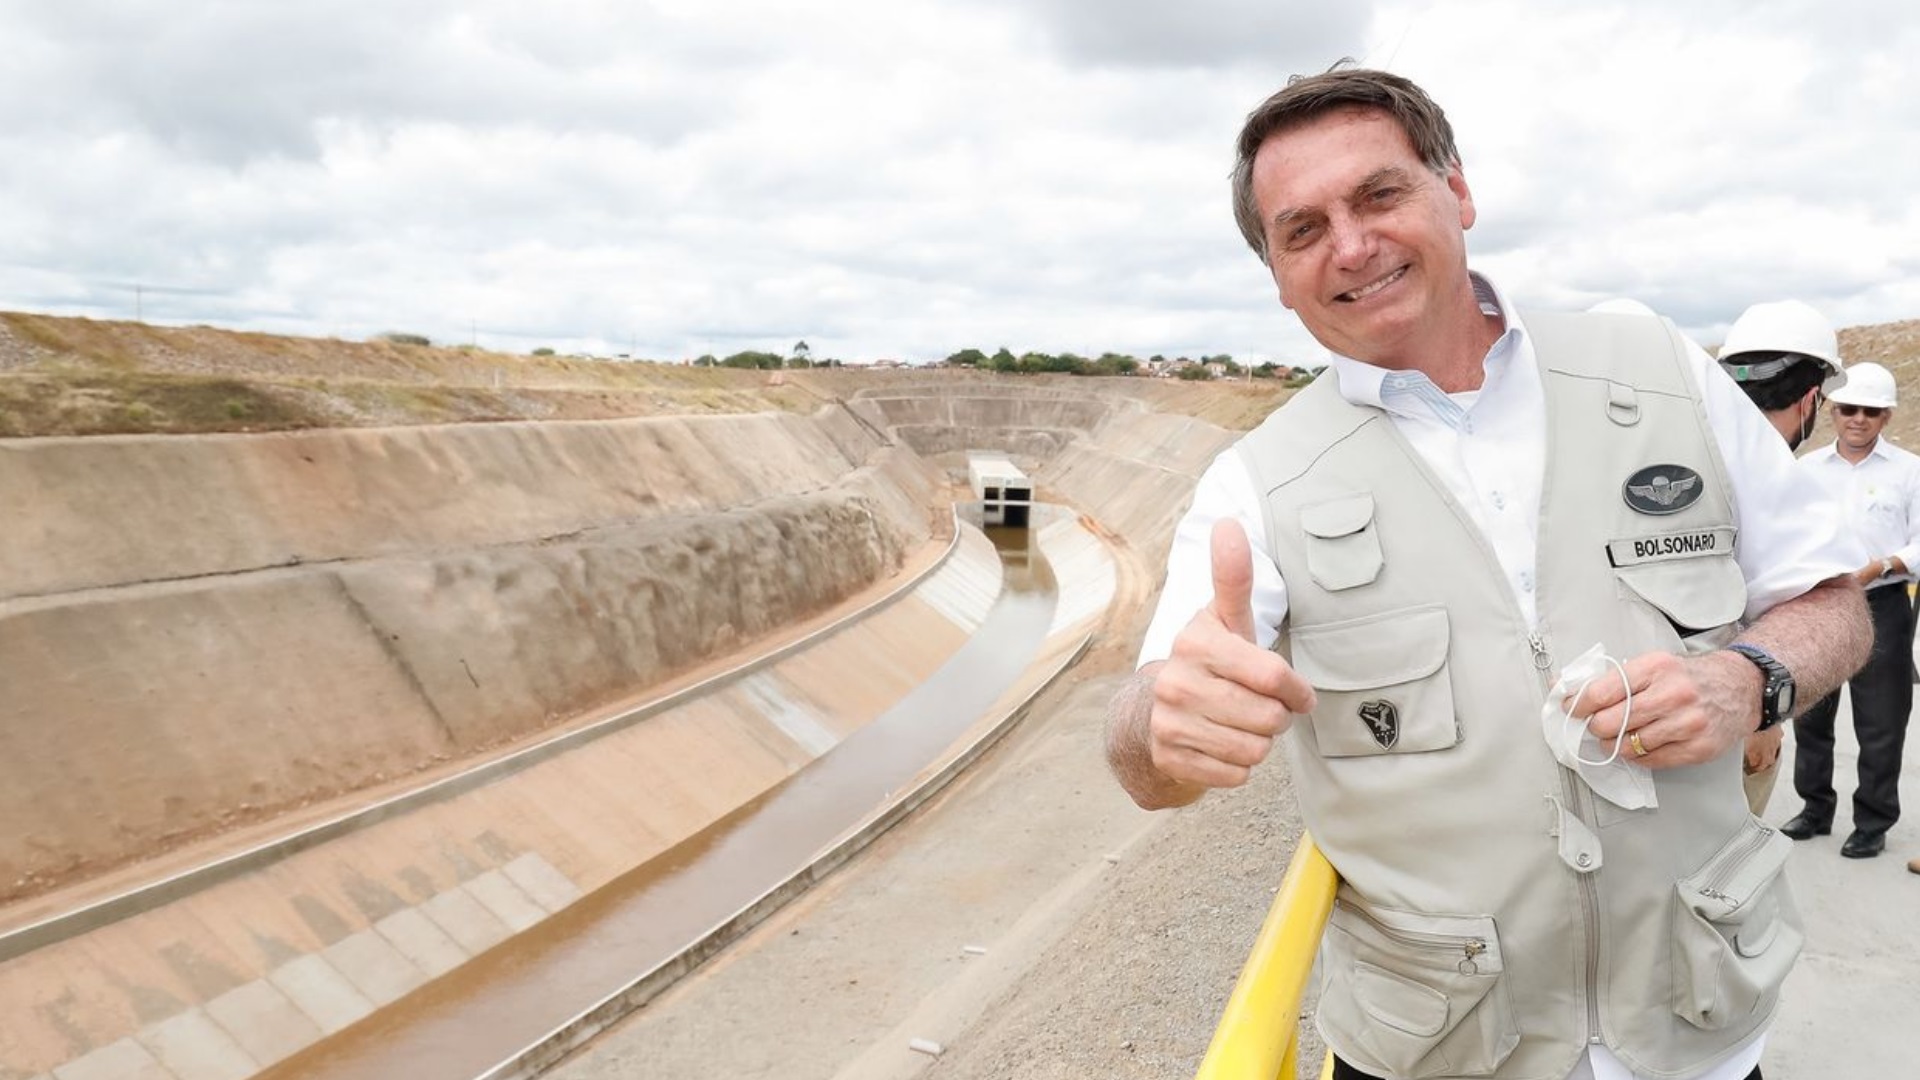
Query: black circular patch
(1662, 489)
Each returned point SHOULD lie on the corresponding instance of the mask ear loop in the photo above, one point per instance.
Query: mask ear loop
(1619, 738)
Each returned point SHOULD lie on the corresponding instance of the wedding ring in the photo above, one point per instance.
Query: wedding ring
(1633, 740)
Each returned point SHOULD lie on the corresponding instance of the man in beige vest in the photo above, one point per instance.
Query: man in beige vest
(1540, 880)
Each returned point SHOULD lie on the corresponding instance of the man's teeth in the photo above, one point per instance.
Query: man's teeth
(1369, 290)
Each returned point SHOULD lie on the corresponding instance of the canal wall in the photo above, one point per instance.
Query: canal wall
(254, 966)
(202, 632)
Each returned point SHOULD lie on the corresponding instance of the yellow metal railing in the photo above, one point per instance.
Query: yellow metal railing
(1258, 1028)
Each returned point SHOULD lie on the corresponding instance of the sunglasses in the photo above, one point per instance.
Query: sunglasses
(1872, 412)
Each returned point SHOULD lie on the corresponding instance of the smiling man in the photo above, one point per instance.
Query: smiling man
(1386, 578)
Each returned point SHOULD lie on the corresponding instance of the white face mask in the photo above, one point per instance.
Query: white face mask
(1620, 780)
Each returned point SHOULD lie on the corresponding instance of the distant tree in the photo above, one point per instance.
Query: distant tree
(1195, 373)
(798, 361)
(751, 358)
(1003, 361)
(1265, 370)
(1114, 364)
(543, 351)
(967, 358)
(396, 337)
(802, 351)
(705, 360)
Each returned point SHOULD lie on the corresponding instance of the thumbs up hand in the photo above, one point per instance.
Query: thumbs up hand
(1220, 699)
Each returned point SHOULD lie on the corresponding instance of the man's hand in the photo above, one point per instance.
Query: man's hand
(1220, 699)
(1763, 749)
(1686, 710)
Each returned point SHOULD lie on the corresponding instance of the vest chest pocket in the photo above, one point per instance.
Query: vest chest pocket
(1381, 681)
(1343, 548)
(1697, 600)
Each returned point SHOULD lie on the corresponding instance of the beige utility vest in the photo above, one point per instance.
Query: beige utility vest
(1495, 915)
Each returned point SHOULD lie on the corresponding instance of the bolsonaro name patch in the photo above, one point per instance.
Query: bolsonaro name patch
(1691, 544)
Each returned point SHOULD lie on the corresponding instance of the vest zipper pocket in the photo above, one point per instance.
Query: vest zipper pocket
(1737, 872)
(1414, 995)
(1736, 932)
(1731, 863)
(1470, 949)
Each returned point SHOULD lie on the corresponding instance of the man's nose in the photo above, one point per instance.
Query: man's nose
(1353, 242)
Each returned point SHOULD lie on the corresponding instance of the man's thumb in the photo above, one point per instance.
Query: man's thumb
(1232, 577)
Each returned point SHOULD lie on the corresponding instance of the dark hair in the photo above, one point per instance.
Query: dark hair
(1310, 97)
(1792, 384)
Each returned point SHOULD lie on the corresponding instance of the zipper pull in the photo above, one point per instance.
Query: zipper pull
(1541, 661)
(1472, 949)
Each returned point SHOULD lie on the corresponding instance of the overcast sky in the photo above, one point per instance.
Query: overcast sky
(905, 178)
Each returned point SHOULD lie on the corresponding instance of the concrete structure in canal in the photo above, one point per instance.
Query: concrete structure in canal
(1003, 491)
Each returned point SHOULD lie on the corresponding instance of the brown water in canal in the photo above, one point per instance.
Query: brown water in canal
(512, 997)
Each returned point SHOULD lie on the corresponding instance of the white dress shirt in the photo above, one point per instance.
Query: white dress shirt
(1489, 447)
(1879, 501)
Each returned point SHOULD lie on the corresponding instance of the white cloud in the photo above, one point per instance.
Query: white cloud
(908, 178)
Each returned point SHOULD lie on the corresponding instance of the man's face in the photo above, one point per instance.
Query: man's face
(1858, 431)
(1365, 242)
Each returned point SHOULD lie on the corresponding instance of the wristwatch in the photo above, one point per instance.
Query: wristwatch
(1886, 568)
(1776, 693)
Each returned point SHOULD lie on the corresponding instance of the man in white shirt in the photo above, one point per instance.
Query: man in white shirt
(1349, 188)
(1877, 486)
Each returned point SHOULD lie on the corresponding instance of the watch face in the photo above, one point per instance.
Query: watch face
(1783, 695)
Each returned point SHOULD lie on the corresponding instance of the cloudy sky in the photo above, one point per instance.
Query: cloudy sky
(904, 178)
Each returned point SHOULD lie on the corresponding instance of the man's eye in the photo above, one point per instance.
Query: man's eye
(1302, 234)
(1384, 194)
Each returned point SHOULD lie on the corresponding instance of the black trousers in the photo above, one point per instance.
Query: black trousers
(1344, 1071)
(1882, 697)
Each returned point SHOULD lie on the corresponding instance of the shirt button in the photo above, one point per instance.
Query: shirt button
(1526, 580)
(1499, 501)
(1585, 859)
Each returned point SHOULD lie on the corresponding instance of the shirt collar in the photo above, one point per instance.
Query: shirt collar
(1411, 393)
(1879, 449)
(1832, 451)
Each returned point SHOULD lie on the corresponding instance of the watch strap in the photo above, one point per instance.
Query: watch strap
(1774, 678)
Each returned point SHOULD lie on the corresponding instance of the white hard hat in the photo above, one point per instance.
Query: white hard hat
(1867, 384)
(1621, 305)
(1776, 327)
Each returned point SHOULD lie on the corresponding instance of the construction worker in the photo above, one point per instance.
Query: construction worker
(1877, 486)
(1785, 355)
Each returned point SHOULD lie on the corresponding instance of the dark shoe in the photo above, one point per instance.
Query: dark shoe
(1801, 826)
(1861, 845)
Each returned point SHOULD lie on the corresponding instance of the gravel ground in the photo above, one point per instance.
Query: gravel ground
(1135, 987)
